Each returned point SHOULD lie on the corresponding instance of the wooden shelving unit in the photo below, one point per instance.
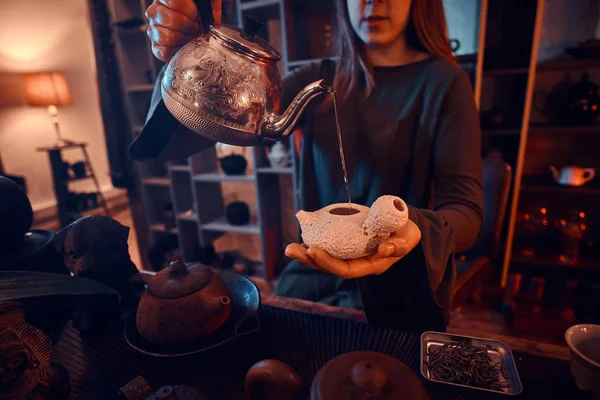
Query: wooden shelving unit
(518, 84)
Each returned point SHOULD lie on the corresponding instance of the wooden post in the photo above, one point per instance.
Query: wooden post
(537, 33)
(480, 52)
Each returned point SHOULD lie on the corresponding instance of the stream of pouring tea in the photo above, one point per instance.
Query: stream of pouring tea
(341, 146)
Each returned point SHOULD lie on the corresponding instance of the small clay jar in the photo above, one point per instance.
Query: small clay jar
(182, 304)
(238, 213)
(234, 164)
(354, 375)
(349, 233)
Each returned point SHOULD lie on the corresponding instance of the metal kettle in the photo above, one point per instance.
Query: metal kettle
(224, 85)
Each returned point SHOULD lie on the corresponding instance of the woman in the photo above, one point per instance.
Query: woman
(410, 128)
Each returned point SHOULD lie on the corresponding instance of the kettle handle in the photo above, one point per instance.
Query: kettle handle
(589, 174)
(283, 377)
(205, 13)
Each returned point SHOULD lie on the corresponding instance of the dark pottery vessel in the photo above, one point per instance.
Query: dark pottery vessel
(79, 169)
(182, 304)
(245, 301)
(238, 213)
(16, 214)
(582, 104)
(234, 164)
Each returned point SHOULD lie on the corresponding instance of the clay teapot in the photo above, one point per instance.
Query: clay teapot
(351, 232)
(351, 376)
(182, 304)
(582, 102)
(225, 85)
(572, 176)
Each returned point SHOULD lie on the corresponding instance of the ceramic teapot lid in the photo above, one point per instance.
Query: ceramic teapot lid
(245, 41)
(367, 375)
(178, 280)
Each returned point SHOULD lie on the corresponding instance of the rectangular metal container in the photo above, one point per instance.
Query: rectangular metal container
(497, 350)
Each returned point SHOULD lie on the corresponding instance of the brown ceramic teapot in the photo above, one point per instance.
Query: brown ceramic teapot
(356, 375)
(182, 304)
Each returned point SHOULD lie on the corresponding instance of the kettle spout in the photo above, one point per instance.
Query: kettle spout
(277, 126)
(305, 218)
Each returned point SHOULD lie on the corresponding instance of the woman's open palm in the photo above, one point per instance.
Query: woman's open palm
(388, 253)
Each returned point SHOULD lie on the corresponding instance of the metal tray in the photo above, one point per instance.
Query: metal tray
(497, 350)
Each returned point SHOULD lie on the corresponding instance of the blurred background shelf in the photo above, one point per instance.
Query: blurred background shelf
(222, 177)
(221, 225)
(541, 261)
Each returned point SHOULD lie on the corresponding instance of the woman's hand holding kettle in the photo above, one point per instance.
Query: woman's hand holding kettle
(173, 23)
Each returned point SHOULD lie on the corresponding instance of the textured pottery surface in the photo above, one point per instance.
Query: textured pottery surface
(182, 304)
(353, 236)
(25, 367)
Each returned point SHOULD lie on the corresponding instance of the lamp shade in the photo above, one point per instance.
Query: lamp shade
(47, 89)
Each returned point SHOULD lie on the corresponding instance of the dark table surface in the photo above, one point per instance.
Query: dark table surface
(101, 364)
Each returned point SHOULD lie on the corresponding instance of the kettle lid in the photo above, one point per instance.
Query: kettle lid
(245, 40)
(179, 280)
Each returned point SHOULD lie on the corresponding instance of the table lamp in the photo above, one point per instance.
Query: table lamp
(49, 89)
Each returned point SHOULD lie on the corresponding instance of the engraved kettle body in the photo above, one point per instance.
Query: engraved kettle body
(224, 85)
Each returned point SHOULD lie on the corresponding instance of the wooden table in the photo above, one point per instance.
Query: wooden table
(516, 344)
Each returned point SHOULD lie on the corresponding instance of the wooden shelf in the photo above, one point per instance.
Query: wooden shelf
(180, 168)
(80, 179)
(221, 177)
(221, 225)
(275, 170)
(544, 129)
(300, 63)
(540, 129)
(156, 181)
(553, 261)
(62, 147)
(506, 71)
(568, 63)
(502, 132)
(466, 58)
(161, 228)
(140, 88)
(131, 31)
(556, 189)
(254, 4)
(184, 216)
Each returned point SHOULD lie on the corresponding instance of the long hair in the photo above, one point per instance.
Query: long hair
(426, 31)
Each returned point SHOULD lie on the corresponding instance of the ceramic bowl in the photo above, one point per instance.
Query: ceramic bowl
(584, 342)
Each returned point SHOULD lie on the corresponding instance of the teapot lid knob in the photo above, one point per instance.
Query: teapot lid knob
(369, 378)
(251, 26)
(177, 267)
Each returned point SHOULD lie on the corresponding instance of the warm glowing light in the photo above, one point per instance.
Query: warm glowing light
(543, 210)
(582, 214)
(47, 89)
